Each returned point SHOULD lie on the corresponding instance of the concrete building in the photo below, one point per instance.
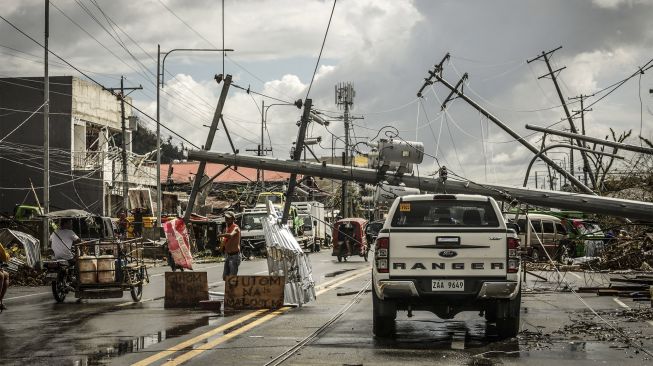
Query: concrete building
(85, 164)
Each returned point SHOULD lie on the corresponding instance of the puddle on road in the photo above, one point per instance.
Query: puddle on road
(122, 347)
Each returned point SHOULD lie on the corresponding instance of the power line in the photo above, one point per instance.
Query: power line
(317, 64)
(22, 123)
(91, 79)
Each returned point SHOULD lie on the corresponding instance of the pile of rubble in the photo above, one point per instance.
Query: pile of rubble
(25, 256)
(626, 254)
(23, 275)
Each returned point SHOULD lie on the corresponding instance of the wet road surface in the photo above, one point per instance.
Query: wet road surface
(556, 328)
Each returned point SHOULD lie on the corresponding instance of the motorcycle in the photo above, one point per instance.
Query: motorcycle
(256, 248)
(63, 276)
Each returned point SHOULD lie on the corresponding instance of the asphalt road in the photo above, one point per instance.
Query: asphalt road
(556, 328)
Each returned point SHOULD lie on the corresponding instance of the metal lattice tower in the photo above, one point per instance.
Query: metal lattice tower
(345, 99)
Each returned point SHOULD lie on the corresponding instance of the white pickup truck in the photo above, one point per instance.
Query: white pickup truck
(445, 254)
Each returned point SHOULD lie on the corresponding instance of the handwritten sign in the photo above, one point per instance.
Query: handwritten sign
(185, 289)
(253, 292)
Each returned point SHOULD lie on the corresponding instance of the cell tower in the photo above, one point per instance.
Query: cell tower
(345, 99)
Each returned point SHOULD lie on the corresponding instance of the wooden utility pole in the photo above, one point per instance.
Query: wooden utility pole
(123, 126)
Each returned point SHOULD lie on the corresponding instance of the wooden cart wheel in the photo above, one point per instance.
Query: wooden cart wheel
(137, 290)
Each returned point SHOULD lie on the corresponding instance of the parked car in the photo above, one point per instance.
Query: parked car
(544, 233)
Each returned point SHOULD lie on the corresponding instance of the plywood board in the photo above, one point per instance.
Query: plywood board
(253, 292)
(185, 289)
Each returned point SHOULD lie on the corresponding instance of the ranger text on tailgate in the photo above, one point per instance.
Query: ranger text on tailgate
(446, 254)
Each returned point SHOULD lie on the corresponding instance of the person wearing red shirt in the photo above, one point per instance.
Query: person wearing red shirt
(231, 246)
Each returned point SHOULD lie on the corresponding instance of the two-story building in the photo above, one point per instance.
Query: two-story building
(85, 160)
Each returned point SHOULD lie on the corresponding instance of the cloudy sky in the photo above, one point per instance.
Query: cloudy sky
(383, 47)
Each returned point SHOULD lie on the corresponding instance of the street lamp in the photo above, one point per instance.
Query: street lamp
(264, 117)
(160, 72)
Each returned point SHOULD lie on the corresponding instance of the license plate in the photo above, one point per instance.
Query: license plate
(448, 285)
(51, 276)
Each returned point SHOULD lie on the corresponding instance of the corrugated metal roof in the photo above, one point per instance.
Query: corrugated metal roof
(185, 172)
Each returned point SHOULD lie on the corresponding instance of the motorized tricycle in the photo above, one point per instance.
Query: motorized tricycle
(100, 270)
(349, 239)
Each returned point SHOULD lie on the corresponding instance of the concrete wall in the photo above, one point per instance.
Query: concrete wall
(17, 168)
(91, 103)
(69, 97)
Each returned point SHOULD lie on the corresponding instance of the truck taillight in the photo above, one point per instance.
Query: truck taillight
(382, 255)
(513, 257)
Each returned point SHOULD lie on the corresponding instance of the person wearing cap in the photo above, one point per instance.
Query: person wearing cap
(231, 246)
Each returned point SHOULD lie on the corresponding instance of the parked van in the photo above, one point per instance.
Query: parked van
(550, 230)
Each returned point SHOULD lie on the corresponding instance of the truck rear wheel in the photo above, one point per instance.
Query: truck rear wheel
(508, 326)
(383, 324)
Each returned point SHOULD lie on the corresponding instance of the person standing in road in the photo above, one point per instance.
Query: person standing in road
(138, 222)
(123, 223)
(231, 246)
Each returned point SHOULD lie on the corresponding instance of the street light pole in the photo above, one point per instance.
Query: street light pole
(160, 74)
(158, 140)
(264, 120)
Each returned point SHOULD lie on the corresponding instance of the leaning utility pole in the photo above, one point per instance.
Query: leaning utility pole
(217, 116)
(345, 99)
(437, 75)
(123, 126)
(552, 74)
(296, 156)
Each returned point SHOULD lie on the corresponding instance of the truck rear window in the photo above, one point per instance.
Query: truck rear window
(445, 213)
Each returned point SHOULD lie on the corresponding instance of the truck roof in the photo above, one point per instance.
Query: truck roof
(430, 197)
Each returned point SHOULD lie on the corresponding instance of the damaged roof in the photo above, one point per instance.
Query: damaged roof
(184, 172)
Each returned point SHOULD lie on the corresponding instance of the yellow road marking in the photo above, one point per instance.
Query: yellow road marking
(199, 338)
(196, 352)
(191, 354)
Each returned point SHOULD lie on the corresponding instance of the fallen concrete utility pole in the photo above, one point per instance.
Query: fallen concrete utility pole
(634, 210)
(617, 145)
